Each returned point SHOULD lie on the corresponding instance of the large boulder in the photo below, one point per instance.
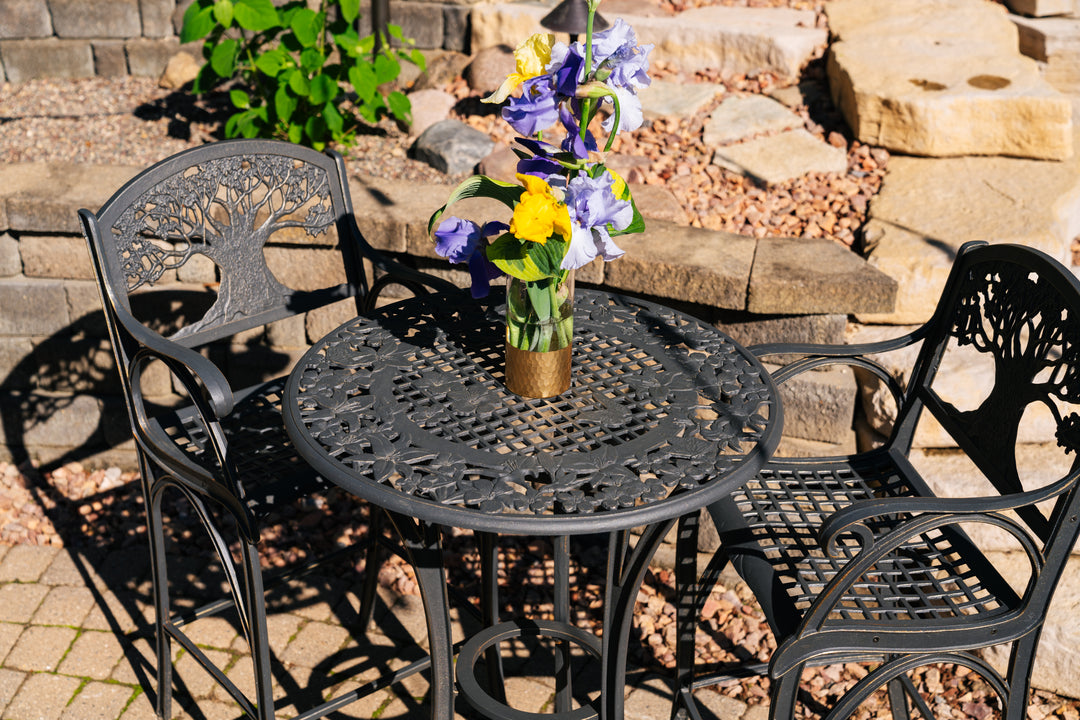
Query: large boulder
(942, 78)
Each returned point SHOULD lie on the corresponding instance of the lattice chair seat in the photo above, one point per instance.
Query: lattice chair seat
(856, 559)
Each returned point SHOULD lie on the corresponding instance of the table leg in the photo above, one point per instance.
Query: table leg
(564, 691)
(687, 604)
(423, 544)
(625, 574)
(489, 610)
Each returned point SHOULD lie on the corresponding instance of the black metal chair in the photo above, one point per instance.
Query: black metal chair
(855, 559)
(224, 450)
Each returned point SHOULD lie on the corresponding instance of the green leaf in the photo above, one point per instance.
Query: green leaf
(400, 106)
(315, 128)
(350, 9)
(323, 88)
(417, 58)
(223, 58)
(395, 31)
(271, 62)
(296, 133)
(284, 103)
(298, 83)
(386, 69)
(528, 261)
(223, 12)
(256, 15)
(479, 186)
(347, 42)
(311, 59)
(334, 121)
(307, 26)
(198, 22)
(363, 81)
(240, 99)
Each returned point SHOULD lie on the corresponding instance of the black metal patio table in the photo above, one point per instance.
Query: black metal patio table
(407, 410)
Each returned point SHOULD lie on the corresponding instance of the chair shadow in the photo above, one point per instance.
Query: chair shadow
(101, 526)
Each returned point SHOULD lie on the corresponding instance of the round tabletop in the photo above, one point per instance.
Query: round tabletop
(407, 409)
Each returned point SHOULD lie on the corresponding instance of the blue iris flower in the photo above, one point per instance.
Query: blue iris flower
(536, 109)
(460, 241)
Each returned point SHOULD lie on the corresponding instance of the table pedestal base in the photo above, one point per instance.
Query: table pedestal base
(479, 643)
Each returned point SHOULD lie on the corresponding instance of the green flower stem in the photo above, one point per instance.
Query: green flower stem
(539, 315)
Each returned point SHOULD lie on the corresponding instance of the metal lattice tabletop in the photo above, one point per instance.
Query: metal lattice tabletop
(407, 409)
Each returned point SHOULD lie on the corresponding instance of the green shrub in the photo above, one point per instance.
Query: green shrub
(304, 75)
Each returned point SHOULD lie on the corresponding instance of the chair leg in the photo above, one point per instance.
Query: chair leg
(259, 638)
(785, 692)
(160, 582)
(1021, 663)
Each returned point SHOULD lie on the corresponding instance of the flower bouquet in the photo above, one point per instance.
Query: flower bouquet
(566, 207)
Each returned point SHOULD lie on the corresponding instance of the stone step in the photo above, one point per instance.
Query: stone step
(927, 208)
(728, 39)
(1055, 44)
(942, 78)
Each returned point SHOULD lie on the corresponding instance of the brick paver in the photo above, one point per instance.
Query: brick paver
(10, 680)
(93, 655)
(42, 697)
(315, 643)
(64, 605)
(64, 571)
(98, 701)
(19, 601)
(40, 648)
(197, 681)
(141, 708)
(9, 633)
(26, 563)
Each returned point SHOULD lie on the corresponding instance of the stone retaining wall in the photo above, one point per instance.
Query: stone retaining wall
(111, 38)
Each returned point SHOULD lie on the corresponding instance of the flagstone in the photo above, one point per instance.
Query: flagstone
(781, 157)
(742, 116)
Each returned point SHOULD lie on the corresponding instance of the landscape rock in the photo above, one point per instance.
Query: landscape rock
(1043, 8)
(742, 116)
(501, 164)
(781, 157)
(490, 67)
(663, 98)
(181, 69)
(441, 68)
(658, 203)
(728, 39)
(928, 208)
(1054, 42)
(428, 108)
(942, 79)
(452, 147)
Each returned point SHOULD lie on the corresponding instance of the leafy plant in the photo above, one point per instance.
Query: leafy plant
(304, 75)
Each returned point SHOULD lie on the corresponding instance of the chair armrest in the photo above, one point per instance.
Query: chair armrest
(813, 356)
(179, 357)
(852, 519)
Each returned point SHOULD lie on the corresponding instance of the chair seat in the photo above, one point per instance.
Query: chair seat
(270, 471)
(770, 530)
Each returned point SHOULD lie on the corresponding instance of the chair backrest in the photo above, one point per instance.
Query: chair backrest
(1015, 312)
(224, 201)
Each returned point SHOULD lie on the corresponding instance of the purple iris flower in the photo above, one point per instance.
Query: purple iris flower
(573, 143)
(461, 241)
(536, 109)
(570, 74)
(593, 209)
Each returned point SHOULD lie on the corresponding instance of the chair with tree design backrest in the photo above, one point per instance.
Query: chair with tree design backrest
(222, 449)
(857, 559)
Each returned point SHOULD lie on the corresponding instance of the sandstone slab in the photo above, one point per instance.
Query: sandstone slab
(743, 116)
(664, 98)
(777, 158)
(729, 39)
(817, 277)
(927, 209)
(44, 197)
(1043, 8)
(429, 107)
(684, 263)
(942, 79)
(1055, 44)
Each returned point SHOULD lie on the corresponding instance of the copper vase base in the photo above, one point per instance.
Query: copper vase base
(537, 374)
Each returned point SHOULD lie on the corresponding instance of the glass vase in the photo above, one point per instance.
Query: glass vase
(539, 335)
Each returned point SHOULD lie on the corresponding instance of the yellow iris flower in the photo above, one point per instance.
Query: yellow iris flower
(538, 213)
(532, 56)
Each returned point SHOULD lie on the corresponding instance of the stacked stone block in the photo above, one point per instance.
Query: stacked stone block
(85, 38)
